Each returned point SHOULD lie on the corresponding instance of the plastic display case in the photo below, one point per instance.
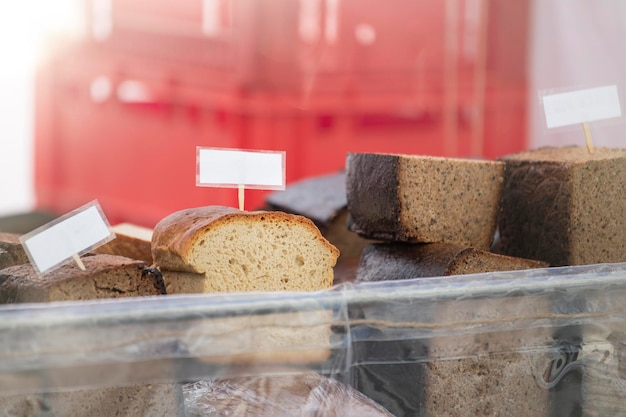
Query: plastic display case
(547, 342)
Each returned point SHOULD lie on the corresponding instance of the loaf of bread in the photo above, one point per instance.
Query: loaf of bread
(423, 199)
(245, 251)
(393, 261)
(323, 200)
(288, 395)
(106, 276)
(11, 250)
(131, 241)
(565, 206)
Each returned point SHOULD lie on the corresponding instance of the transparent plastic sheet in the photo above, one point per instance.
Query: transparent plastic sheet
(506, 344)
(540, 342)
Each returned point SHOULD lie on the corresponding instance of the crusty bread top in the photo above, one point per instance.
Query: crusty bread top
(566, 154)
(176, 235)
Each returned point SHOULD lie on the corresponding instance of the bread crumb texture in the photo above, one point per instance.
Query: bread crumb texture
(245, 251)
(450, 200)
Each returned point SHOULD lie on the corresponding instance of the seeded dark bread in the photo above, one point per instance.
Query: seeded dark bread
(564, 205)
(423, 199)
(245, 251)
(106, 276)
(393, 261)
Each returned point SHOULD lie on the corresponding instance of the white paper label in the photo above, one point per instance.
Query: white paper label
(581, 106)
(72, 234)
(232, 168)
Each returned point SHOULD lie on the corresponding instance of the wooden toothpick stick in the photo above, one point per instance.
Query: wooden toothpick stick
(80, 263)
(241, 196)
(588, 137)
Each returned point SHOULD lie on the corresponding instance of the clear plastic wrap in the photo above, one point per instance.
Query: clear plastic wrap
(541, 342)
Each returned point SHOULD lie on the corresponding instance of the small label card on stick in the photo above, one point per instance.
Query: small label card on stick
(582, 106)
(68, 236)
(239, 168)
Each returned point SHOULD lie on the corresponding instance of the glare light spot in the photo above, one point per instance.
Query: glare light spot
(365, 34)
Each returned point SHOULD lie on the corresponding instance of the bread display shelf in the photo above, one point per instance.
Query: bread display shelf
(522, 334)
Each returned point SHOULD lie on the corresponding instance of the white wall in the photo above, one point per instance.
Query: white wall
(24, 25)
(577, 44)
(17, 46)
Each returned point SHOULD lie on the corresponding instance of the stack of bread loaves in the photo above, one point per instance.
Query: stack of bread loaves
(447, 206)
(436, 217)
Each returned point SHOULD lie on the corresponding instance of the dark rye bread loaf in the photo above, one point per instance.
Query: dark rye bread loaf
(413, 198)
(11, 250)
(565, 206)
(393, 261)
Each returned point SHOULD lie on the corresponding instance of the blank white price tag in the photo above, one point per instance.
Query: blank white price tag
(232, 168)
(581, 106)
(75, 233)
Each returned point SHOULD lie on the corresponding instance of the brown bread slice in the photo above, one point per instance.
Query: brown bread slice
(412, 198)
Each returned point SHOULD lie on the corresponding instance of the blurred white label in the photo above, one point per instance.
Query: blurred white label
(217, 167)
(75, 233)
(581, 106)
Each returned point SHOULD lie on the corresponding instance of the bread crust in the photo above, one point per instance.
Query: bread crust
(393, 261)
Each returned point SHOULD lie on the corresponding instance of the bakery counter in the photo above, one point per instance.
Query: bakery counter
(543, 342)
